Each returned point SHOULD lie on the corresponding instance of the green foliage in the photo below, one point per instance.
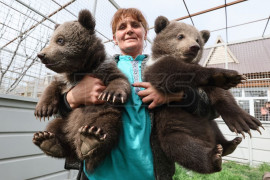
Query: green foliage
(230, 170)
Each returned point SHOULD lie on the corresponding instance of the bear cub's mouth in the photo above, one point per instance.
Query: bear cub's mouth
(190, 55)
(50, 64)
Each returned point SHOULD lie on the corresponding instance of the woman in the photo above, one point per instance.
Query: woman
(265, 111)
(138, 155)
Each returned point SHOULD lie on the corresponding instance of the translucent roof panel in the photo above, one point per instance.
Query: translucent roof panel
(27, 25)
(239, 13)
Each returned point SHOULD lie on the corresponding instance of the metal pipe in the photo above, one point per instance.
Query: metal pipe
(64, 8)
(95, 8)
(114, 4)
(226, 18)
(32, 27)
(208, 10)
(226, 56)
(188, 12)
(35, 11)
(23, 14)
(211, 9)
(265, 26)
(240, 24)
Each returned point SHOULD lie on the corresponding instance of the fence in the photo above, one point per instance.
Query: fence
(25, 29)
(252, 151)
(19, 157)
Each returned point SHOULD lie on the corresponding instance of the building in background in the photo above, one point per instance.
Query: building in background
(251, 58)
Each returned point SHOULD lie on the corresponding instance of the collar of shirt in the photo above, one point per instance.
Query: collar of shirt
(129, 58)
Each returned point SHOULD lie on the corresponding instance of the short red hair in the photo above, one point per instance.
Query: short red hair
(129, 12)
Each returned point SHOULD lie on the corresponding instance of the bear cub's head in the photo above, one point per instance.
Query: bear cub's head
(178, 39)
(71, 45)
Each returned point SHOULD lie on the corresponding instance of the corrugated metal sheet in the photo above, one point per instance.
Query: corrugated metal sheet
(19, 157)
(253, 56)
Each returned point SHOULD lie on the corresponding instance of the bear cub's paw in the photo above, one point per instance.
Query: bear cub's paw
(48, 143)
(231, 146)
(241, 122)
(90, 137)
(46, 109)
(217, 160)
(114, 94)
(226, 79)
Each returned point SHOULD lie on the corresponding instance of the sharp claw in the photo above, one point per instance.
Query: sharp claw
(103, 96)
(262, 127)
(249, 134)
(243, 134)
(236, 132)
(259, 131)
(122, 99)
(48, 118)
(108, 98)
(98, 131)
(52, 135)
(244, 77)
(44, 118)
(91, 129)
(80, 130)
(40, 118)
(100, 95)
(114, 97)
(104, 137)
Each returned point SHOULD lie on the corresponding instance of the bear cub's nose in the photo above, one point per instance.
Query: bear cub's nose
(41, 55)
(195, 48)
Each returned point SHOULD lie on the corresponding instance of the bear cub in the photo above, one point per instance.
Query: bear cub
(88, 132)
(186, 138)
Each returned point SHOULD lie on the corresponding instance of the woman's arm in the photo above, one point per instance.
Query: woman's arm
(86, 92)
(150, 94)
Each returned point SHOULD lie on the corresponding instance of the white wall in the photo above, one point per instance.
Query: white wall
(19, 157)
(253, 151)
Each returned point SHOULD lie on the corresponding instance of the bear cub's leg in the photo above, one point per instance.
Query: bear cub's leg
(53, 141)
(96, 134)
(90, 136)
(192, 153)
(230, 146)
(49, 144)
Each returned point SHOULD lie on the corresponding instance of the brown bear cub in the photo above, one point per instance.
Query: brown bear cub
(192, 141)
(88, 132)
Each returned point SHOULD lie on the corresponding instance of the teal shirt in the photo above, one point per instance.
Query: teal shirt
(132, 158)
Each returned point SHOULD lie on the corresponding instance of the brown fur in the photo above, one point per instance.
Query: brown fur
(89, 132)
(192, 141)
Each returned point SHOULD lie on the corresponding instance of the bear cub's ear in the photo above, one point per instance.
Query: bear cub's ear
(86, 20)
(160, 23)
(205, 35)
(56, 26)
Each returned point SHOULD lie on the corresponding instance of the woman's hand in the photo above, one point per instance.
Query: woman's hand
(86, 92)
(150, 94)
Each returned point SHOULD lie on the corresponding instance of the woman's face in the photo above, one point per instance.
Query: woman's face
(129, 36)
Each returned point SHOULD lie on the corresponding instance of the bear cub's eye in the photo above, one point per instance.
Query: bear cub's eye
(180, 37)
(197, 40)
(60, 41)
